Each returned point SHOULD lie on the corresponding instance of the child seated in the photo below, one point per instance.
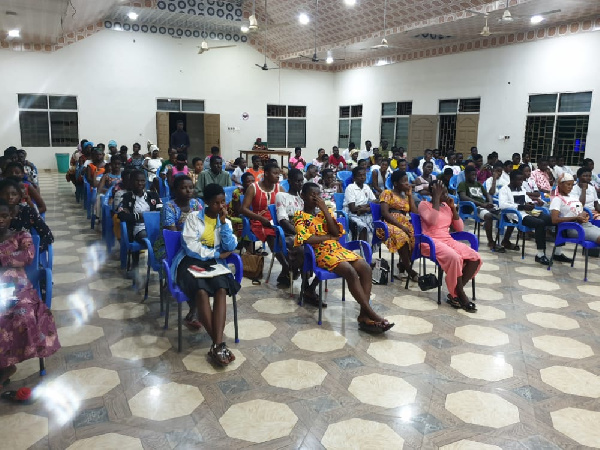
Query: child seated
(356, 203)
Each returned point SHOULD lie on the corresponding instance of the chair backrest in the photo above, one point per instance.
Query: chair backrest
(32, 269)
(375, 211)
(108, 195)
(229, 193)
(339, 200)
(388, 182)
(273, 212)
(369, 177)
(415, 219)
(172, 244)
(152, 224)
(453, 183)
(284, 185)
(343, 175)
(342, 221)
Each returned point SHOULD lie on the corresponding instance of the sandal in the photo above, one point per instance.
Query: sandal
(453, 301)
(497, 248)
(256, 282)
(22, 395)
(220, 354)
(510, 246)
(370, 326)
(192, 323)
(283, 280)
(414, 276)
(312, 298)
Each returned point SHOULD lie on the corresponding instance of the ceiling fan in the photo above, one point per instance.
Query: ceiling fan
(508, 17)
(384, 42)
(204, 47)
(253, 26)
(265, 66)
(314, 58)
(485, 32)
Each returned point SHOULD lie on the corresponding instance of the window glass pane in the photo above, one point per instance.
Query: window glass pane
(296, 133)
(63, 102)
(344, 134)
(192, 105)
(275, 111)
(388, 109)
(545, 103)
(355, 128)
(276, 133)
(402, 124)
(538, 136)
(404, 108)
(571, 134)
(357, 111)
(64, 129)
(296, 111)
(344, 112)
(578, 102)
(33, 101)
(388, 129)
(448, 106)
(165, 104)
(469, 105)
(34, 129)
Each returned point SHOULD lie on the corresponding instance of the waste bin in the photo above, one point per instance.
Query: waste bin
(62, 161)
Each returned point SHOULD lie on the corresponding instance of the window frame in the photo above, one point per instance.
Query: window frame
(354, 115)
(274, 111)
(48, 111)
(395, 117)
(456, 113)
(180, 108)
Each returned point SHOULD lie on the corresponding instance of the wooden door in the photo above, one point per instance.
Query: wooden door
(163, 137)
(195, 130)
(421, 135)
(212, 132)
(467, 126)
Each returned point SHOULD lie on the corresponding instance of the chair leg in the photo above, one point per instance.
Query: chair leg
(235, 320)
(303, 285)
(343, 290)
(270, 267)
(320, 321)
(167, 307)
(473, 285)
(552, 257)
(42, 367)
(392, 269)
(147, 283)
(161, 287)
(326, 289)
(439, 285)
(380, 251)
(291, 283)
(574, 254)
(585, 252)
(523, 247)
(179, 327)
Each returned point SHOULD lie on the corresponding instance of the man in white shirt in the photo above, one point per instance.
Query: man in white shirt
(514, 196)
(367, 152)
(346, 153)
(357, 197)
(585, 191)
(494, 183)
(429, 158)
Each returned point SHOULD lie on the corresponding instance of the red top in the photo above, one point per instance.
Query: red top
(336, 160)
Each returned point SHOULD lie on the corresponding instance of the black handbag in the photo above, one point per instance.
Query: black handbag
(427, 282)
(380, 271)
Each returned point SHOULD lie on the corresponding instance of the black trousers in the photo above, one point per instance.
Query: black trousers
(135, 256)
(539, 225)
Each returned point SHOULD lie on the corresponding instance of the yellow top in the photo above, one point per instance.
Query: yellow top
(208, 237)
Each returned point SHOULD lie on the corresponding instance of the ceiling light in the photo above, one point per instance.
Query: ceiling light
(350, 2)
(14, 33)
(244, 29)
(303, 19)
(381, 62)
(329, 60)
(537, 19)
(132, 15)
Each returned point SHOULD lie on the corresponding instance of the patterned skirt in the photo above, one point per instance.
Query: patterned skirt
(330, 254)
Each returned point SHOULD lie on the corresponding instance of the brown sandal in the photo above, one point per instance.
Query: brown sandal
(219, 354)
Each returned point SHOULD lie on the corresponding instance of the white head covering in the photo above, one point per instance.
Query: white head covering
(566, 177)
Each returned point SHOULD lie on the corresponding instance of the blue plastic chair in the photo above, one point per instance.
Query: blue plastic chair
(339, 208)
(280, 245)
(421, 239)
(369, 179)
(152, 224)
(562, 238)
(229, 193)
(92, 208)
(468, 211)
(310, 266)
(388, 182)
(379, 224)
(505, 221)
(343, 176)
(46, 257)
(86, 194)
(40, 278)
(284, 185)
(163, 187)
(172, 246)
(127, 247)
(453, 183)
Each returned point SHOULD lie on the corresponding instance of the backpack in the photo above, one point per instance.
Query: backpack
(380, 271)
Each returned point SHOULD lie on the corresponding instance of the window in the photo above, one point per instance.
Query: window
(557, 125)
(179, 105)
(286, 126)
(448, 112)
(48, 120)
(350, 125)
(395, 121)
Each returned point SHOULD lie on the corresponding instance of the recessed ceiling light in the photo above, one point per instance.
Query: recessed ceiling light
(329, 60)
(537, 19)
(381, 62)
(350, 2)
(303, 18)
(244, 29)
(132, 15)
(14, 33)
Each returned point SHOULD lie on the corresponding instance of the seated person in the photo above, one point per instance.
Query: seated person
(240, 168)
(357, 197)
(514, 196)
(108, 180)
(256, 170)
(96, 168)
(456, 169)
(169, 163)
(585, 191)
(494, 183)
(180, 168)
(198, 165)
(396, 159)
(318, 161)
(28, 328)
(459, 262)
(472, 190)
(445, 178)
(566, 207)
(137, 159)
(542, 176)
(29, 168)
(507, 168)
(31, 196)
(297, 161)
(330, 186)
(438, 160)
(516, 161)
(353, 161)
(133, 204)
(214, 151)
(530, 186)
(336, 161)
(216, 175)
(429, 158)
(207, 240)
(24, 217)
(422, 182)
(483, 171)
(396, 206)
(259, 196)
(322, 232)
(235, 205)
(379, 175)
(152, 164)
(311, 175)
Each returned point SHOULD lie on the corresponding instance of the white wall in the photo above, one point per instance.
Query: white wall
(568, 64)
(118, 80)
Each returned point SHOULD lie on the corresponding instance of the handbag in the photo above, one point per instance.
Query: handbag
(253, 265)
(427, 282)
(380, 272)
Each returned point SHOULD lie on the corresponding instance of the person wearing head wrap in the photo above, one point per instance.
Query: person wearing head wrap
(353, 161)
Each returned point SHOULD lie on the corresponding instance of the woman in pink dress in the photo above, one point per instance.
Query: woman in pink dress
(457, 260)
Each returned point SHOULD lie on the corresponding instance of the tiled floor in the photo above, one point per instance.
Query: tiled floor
(522, 373)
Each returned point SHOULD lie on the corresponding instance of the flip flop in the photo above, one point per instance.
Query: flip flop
(22, 396)
(370, 326)
(453, 301)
